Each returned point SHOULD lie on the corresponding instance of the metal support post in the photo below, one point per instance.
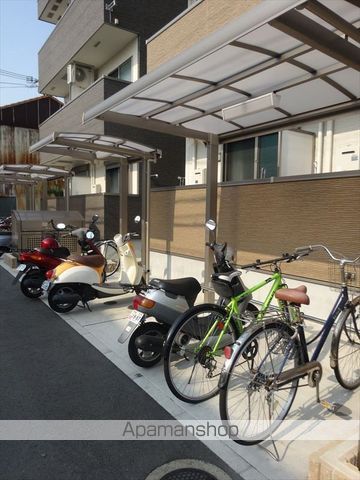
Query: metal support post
(67, 193)
(145, 218)
(123, 197)
(211, 207)
(43, 202)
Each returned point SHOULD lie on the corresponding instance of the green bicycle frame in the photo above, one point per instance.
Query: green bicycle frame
(232, 308)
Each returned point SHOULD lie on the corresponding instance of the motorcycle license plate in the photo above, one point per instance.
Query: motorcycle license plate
(45, 285)
(21, 267)
(134, 319)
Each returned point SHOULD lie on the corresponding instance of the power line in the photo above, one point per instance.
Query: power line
(18, 76)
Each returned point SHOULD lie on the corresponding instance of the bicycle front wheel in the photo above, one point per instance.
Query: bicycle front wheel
(191, 365)
(345, 348)
(250, 405)
(110, 252)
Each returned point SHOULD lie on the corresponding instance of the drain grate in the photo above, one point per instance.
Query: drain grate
(188, 469)
(188, 474)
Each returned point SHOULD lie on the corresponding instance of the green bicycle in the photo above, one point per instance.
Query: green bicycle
(193, 351)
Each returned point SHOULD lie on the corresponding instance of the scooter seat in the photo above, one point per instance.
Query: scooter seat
(61, 252)
(94, 261)
(188, 287)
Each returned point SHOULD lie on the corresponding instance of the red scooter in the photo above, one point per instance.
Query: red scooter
(35, 263)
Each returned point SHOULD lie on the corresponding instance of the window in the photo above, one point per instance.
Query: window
(112, 180)
(268, 156)
(123, 71)
(82, 170)
(240, 158)
(255, 157)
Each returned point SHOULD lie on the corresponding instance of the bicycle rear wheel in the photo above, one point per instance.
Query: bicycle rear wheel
(109, 250)
(345, 348)
(191, 369)
(251, 408)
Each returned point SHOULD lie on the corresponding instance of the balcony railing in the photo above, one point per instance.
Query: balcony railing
(69, 118)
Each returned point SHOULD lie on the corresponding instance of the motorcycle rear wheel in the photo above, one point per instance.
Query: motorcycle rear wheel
(56, 305)
(32, 292)
(140, 357)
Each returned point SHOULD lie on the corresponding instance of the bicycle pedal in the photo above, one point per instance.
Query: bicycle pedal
(333, 407)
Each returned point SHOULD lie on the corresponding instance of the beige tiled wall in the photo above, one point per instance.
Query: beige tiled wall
(205, 18)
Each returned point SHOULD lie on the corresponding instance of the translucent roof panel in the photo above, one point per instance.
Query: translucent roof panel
(30, 172)
(225, 62)
(269, 79)
(172, 88)
(273, 47)
(223, 97)
(313, 95)
(176, 115)
(270, 38)
(211, 124)
(138, 107)
(260, 117)
(348, 78)
(92, 146)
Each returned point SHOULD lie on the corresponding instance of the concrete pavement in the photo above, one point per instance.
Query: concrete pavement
(103, 325)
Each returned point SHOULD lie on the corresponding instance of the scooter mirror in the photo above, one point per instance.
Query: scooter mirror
(211, 224)
(60, 226)
(137, 219)
(90, 235)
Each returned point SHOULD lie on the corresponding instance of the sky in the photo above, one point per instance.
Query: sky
(21, 37)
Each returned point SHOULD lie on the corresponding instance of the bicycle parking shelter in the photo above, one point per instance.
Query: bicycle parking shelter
(295, 58)
(88, 147)
(29, 175)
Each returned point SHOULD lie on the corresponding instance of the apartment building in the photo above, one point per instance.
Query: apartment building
(266, 94)
(307, 148)
(96, 49)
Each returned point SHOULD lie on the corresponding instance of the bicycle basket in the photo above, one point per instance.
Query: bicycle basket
(227, 285)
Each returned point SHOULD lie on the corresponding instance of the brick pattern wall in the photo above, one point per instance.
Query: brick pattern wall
(205, 18)
(265, 220)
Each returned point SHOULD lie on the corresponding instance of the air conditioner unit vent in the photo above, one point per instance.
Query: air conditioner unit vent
(80, 75)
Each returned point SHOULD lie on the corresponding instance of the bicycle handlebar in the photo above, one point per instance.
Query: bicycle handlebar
(286, 257)
(311, 248)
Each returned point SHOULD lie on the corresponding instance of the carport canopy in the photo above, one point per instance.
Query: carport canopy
(90, 147)
(304, 54)
(29, 174)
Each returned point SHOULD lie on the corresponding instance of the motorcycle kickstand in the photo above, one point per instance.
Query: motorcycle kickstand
(86, 305)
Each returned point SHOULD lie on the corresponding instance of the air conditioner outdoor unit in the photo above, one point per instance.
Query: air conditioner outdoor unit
(80, 75)
(200, 175)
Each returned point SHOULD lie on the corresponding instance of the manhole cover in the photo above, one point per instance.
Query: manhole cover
(188, 474)
(188, 469)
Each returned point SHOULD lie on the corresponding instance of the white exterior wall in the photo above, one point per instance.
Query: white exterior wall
(130, 50)
(80, 185)
(195, 162)
(98, 177)
(333, 138)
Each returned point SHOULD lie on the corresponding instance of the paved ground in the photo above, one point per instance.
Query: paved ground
(102, 327)
(49, 371)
